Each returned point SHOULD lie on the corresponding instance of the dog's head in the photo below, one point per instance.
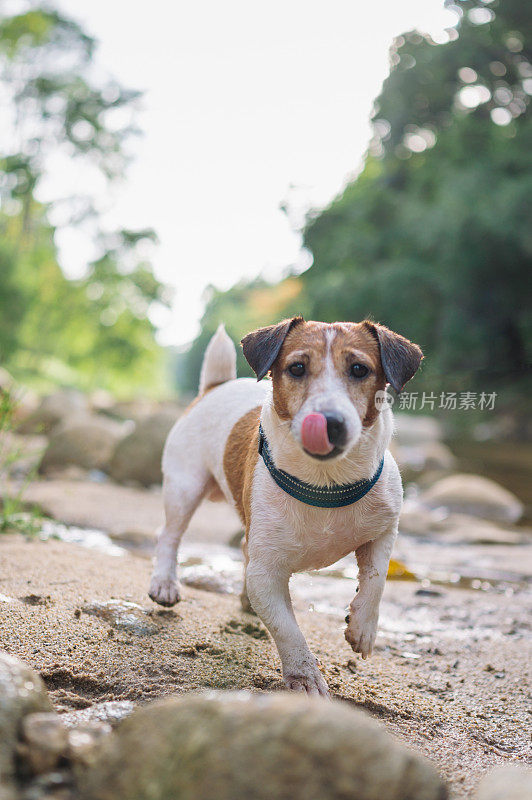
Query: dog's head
(325, 377)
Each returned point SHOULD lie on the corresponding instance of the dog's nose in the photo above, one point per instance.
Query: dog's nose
(336, 430)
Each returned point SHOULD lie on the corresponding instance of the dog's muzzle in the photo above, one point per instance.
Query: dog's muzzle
(323, 435)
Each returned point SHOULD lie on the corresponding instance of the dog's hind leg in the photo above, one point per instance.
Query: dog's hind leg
(183, 492)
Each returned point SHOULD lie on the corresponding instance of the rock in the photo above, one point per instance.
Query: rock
(84, 740)
(461, 529)
(136, 410)
(88, 443)
(25, 453)
(416, 520)
(53, 409)
(474, 495)
(207, 579)
(123, 615)
(22, 692)
(232, 745)
(425, 456)
(416, 429)
(440, 525)
(417, 448)
(142, 408)
(506, 783)
(138, 456)
(46, 741)
(26, 403)
(101, 400)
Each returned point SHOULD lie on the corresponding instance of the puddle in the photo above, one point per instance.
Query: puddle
(488, 579)
(86, 537)
(217, 568)
(123, 615)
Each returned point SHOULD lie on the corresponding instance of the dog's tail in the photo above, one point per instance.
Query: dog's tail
(219, 361)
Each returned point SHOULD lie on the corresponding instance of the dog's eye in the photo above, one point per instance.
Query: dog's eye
(297, 369)
(359, 371)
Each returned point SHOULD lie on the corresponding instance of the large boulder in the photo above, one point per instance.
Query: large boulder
(137, 458)
(510, 782)
(88, 443)
(54, 409)
(229, 745)
(22, 692)
(474, 495)
(416, 429)
(418, 449)
(423, 458)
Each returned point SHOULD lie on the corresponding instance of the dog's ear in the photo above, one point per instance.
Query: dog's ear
(400, 358)
(261, 347)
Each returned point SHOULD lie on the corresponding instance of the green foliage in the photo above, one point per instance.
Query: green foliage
(437, 243)
(434, 237)
(94, 331)
(246, 306)
(13, 516)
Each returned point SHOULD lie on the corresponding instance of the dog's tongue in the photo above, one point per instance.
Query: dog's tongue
(314, 435)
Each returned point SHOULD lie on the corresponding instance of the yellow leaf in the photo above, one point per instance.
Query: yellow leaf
(398, 571)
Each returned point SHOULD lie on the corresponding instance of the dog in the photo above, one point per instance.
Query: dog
(304, 459)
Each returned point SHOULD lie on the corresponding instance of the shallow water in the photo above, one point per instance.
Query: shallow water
(87, 537)
(433, 570)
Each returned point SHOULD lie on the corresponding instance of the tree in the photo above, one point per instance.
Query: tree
(434, 237)
(93, 331)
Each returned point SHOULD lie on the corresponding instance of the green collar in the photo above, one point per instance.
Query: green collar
(321, 496)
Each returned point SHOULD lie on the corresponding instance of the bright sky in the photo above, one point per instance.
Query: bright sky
(246, 105)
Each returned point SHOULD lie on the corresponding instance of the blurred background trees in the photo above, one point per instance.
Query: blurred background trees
(92, 331)
(434, 237)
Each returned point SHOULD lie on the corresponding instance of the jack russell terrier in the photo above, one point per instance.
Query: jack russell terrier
(304, 460)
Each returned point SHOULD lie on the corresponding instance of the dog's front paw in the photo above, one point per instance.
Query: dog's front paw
(361, 634)
(307, 678)
(164, 591)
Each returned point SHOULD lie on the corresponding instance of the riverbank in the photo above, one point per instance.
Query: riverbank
(448, 680)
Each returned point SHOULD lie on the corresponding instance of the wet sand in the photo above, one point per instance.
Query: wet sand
(448, 676)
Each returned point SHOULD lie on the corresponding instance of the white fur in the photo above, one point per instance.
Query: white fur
(285, 535)
(219, 361)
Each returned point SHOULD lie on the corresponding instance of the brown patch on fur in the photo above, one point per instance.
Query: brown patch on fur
(355, 338)
(240, 456)
(215, 495)
(307, 337)
(390, 357)
(309, 344)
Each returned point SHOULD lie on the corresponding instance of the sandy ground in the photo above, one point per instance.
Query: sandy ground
(449, 675)
(124, 512)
